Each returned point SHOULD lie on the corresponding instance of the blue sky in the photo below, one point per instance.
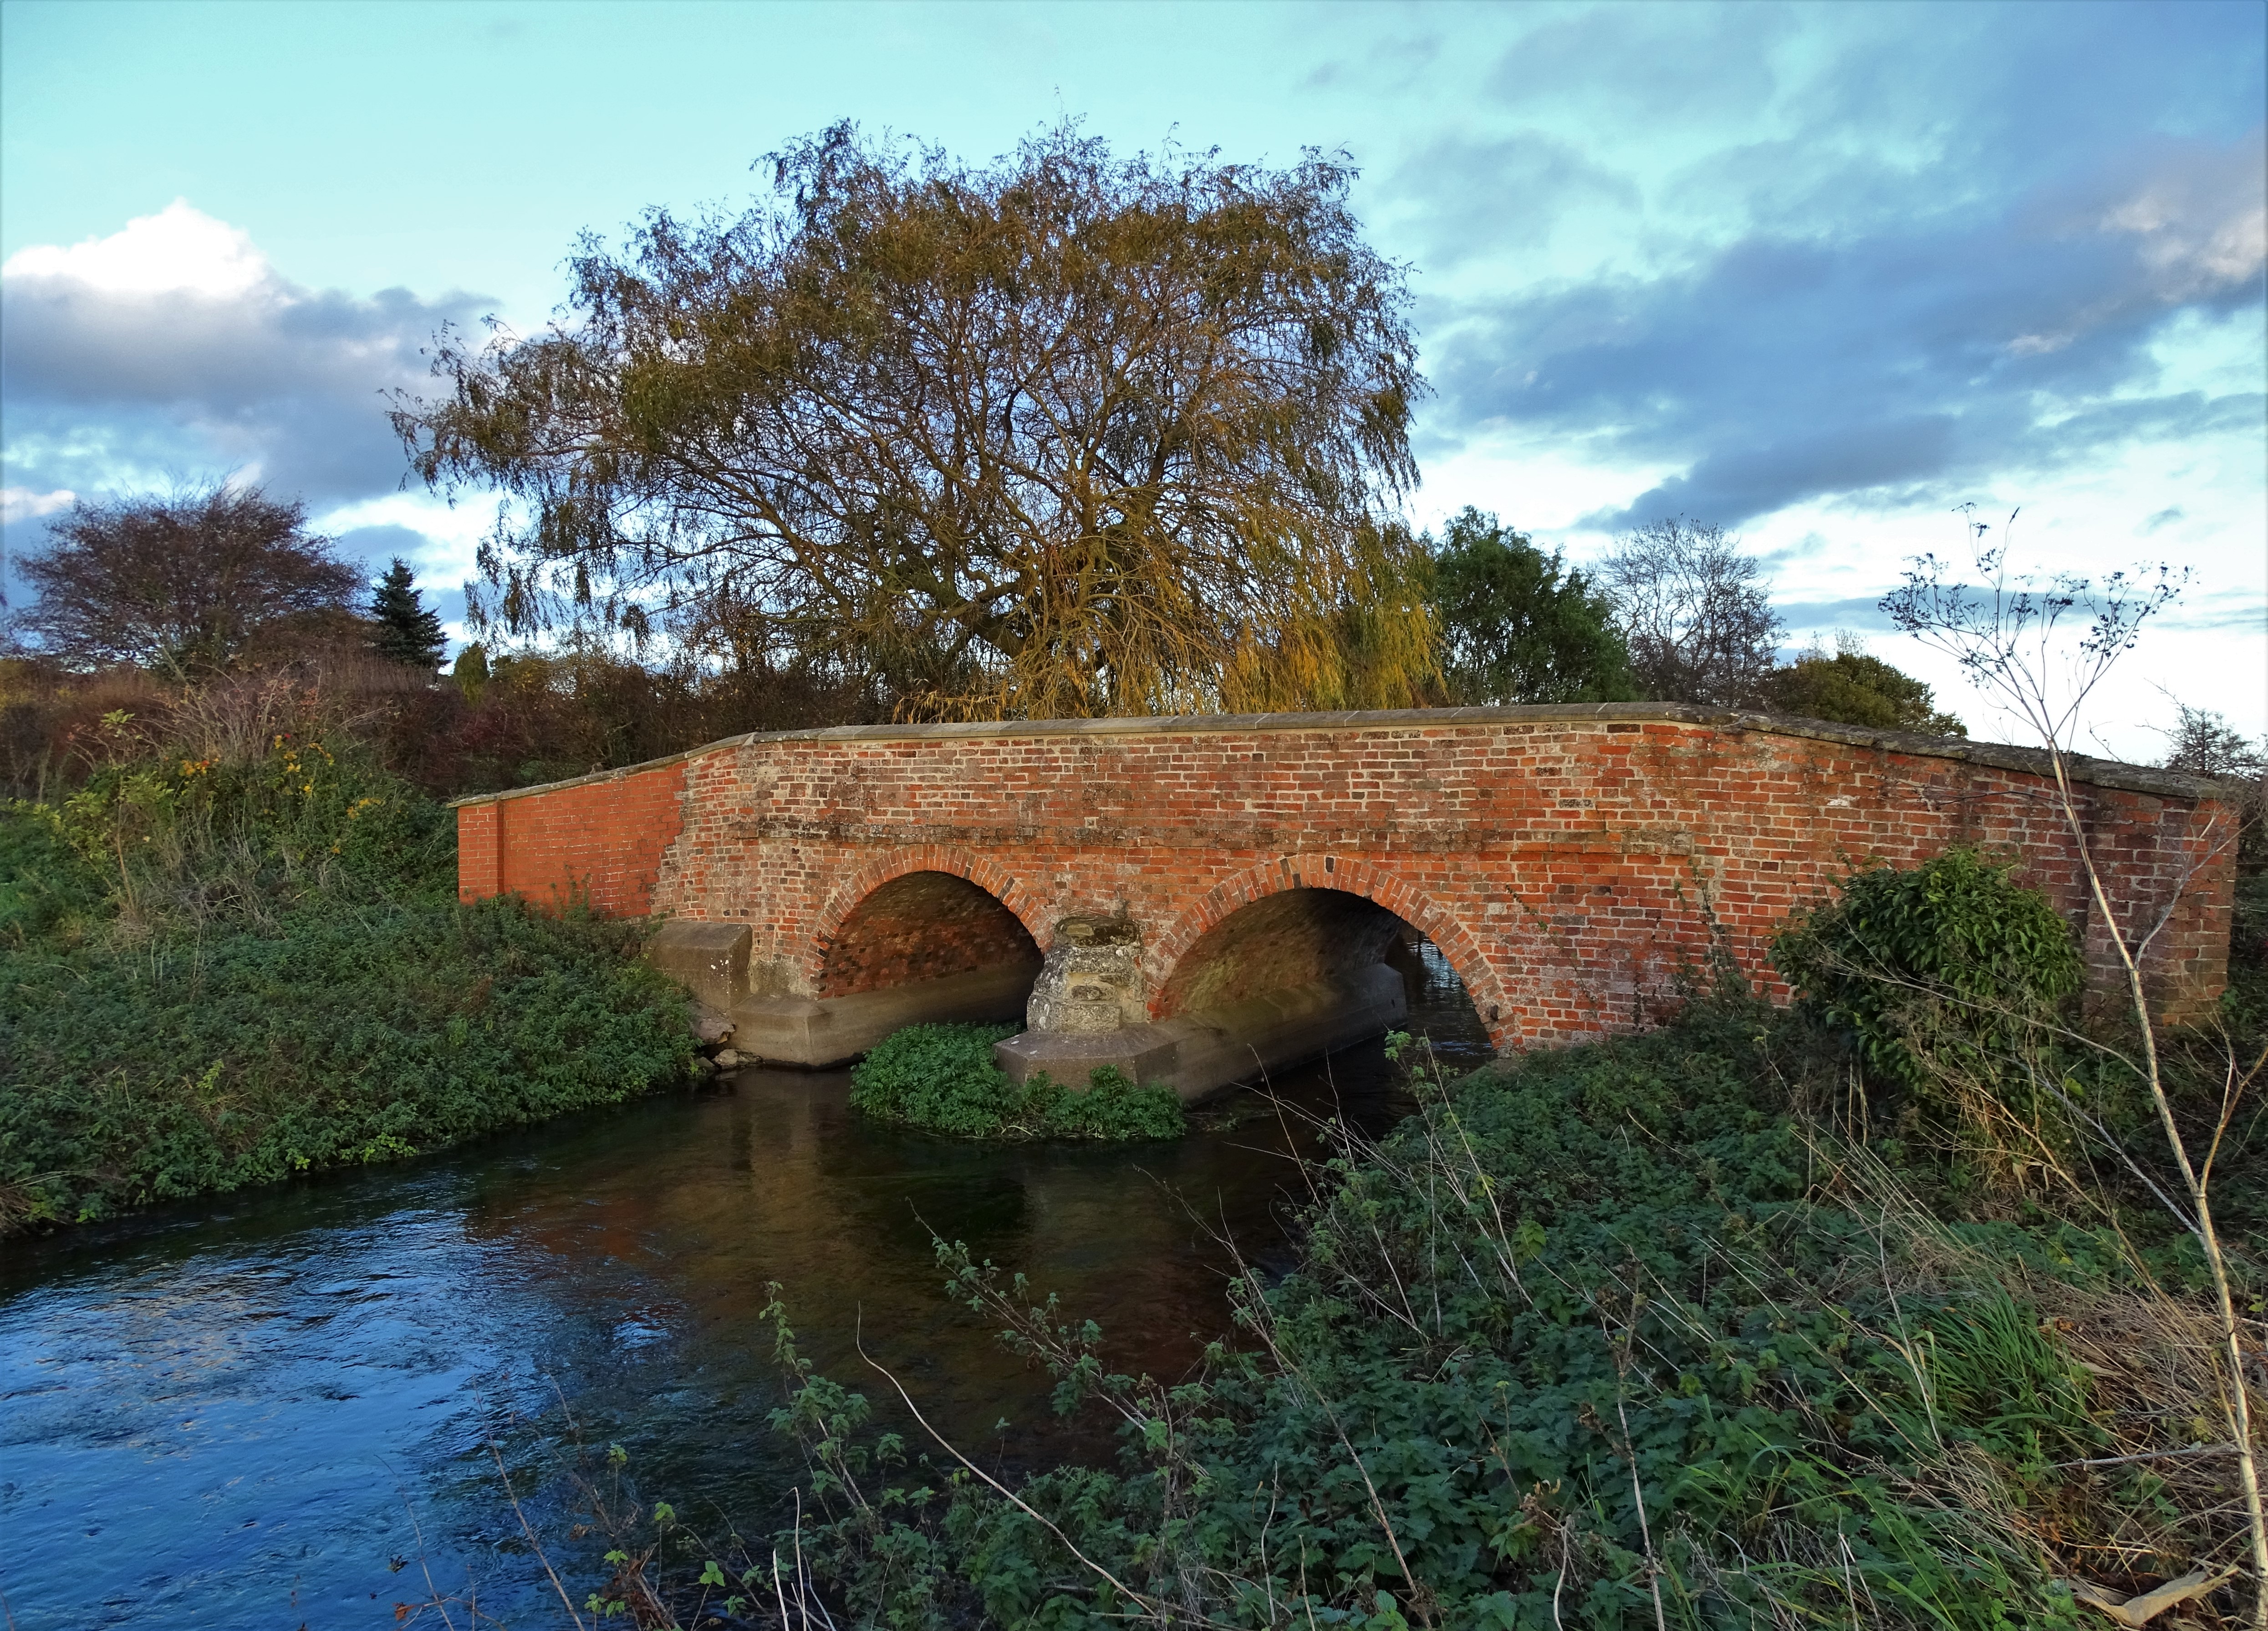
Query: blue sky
(1817, 273)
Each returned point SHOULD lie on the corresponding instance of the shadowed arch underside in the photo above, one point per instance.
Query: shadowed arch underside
(922, 926)
(1293, 972)
(1169, 963)
(920, 947)
(1296, 937)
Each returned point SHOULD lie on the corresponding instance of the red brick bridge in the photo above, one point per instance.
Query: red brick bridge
(1190, 898)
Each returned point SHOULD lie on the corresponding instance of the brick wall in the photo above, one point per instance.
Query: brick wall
(1568, 861)
(602, 836)
(480, 856)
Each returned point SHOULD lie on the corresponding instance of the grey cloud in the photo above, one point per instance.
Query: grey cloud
(1475, 197)
(1862, 613)
(1393, 60)
(1809, 546)
(284, 379)
(1735, 485)
(377, 547)
(1677, 64)
(1901, 358)
(2222, 608)
(1946, 257)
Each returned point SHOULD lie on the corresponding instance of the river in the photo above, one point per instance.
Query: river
(278, 1408)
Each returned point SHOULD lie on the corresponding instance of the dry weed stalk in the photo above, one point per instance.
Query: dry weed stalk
(2151, 1361)
(2005, 637)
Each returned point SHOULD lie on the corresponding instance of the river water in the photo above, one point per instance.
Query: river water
(278, 1409)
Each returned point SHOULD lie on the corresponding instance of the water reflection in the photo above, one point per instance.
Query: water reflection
(226, 1416)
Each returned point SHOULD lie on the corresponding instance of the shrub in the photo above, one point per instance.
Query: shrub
(1852, 688)
(1950, 978)
(942, 1078)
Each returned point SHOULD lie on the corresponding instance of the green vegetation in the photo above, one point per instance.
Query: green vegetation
(1659, 1331)
(942, 1079)
(1853, 688)
(1953, 981)
(224, 969)
(1602, 1322)
(1516, 626)
(406, 630)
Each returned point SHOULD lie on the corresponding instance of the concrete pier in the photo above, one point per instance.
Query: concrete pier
(1199, 1054)
(819, 1033)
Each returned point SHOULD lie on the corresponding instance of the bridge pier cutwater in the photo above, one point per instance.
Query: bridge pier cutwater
(1194, 900)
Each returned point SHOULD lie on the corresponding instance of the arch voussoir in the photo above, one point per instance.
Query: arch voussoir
(982, 871)
(1353, 875)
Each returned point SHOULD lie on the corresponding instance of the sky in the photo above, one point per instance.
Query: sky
(1818, 274)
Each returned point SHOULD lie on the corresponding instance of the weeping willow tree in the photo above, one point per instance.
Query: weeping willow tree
(1067, 435)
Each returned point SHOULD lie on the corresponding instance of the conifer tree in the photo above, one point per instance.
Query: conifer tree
(408, 632)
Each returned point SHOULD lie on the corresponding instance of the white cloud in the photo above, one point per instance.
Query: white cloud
(2201, 226)
(21, 504)
(180, 250)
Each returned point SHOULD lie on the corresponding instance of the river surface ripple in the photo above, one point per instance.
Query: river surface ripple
(246, 1413)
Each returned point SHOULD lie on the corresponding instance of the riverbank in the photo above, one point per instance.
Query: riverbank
(1672, 1329)
(228, 968)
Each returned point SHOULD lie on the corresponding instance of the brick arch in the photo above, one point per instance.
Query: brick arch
(1350, 875)
(849, 894)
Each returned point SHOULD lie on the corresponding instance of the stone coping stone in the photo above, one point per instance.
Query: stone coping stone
(2030, 761)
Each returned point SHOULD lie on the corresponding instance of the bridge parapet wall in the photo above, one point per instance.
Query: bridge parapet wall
(600, 838)
(1571, 863)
